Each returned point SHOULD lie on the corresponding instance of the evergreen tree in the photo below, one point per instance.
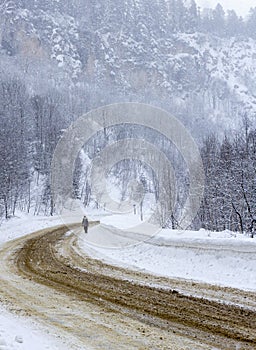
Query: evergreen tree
(194, 17)
(251, 23)
(234, 24)
(219, 20)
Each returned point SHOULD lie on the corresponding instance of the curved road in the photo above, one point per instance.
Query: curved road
(93, 305)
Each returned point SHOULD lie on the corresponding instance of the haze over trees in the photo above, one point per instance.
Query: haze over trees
(59, 59)
(230, 191)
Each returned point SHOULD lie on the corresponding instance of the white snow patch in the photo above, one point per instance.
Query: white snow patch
(118, 221)
(23, 224)
(221, 258)
(19, 334)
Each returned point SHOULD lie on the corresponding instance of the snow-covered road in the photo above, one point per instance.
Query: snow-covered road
(71, 323)
(92, 305)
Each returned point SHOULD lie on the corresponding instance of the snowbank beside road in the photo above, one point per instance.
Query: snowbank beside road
(24, 224)
(17, 333)
(121, 222)
(222, 258)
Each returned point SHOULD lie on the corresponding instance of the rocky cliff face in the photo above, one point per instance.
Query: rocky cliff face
(132, 47)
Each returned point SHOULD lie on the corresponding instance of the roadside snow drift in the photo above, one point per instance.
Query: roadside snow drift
(222, 258)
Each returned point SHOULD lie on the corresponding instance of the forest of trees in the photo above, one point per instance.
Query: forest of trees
(230, 189)
(215, 21)
(32, 125)
(32, 121)
(166, 16)
(30, 128)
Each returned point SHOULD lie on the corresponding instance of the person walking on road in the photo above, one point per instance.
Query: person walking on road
(85, 224)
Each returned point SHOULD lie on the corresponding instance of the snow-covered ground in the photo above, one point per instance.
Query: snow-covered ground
(18, 333)
(222, 258)
(23, 224)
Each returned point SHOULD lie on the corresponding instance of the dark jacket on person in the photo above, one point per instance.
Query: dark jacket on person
(85, 223)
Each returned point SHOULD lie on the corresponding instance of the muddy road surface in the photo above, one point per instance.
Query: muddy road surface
(93, 305)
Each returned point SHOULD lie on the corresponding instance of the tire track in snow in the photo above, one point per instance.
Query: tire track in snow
(100, 306)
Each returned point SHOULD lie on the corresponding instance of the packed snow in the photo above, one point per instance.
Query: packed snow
(20, 334)
(222, 258)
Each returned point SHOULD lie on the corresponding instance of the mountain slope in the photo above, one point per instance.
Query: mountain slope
(132, 48)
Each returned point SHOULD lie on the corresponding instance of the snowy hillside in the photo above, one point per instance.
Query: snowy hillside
(40, 33)
(139, 114)
(151, 55)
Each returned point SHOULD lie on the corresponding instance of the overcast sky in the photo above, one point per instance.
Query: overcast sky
(241, 7)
